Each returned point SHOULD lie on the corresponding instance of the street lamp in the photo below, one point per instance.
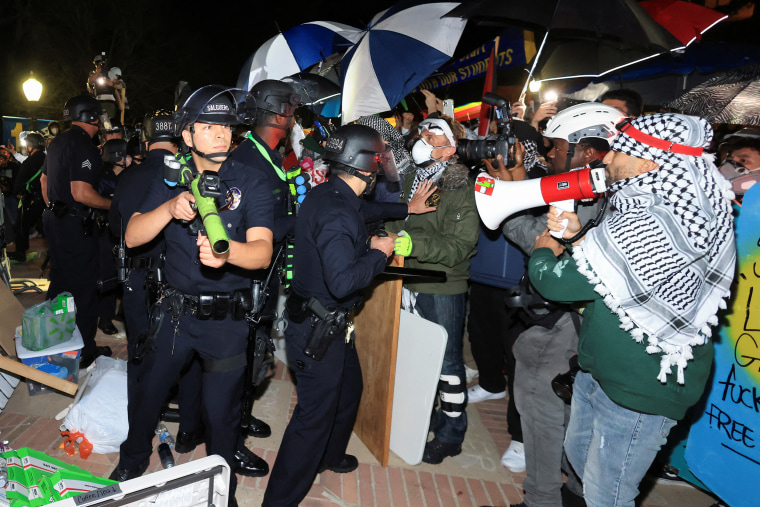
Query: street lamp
(32, 88)
(33, 92)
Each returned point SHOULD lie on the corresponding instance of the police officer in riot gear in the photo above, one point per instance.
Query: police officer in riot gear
(204, 303)
(27, 188)
(69, 183)
(335, 258)
(275, 104)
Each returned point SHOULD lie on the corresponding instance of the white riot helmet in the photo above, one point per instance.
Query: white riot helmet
(591, 119)
(114, 73)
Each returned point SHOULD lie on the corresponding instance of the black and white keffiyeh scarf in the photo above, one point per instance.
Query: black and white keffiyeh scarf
(431, 172)
(664, 258)
(395, 140)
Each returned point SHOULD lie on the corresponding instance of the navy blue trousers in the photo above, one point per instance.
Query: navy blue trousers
(329, 392)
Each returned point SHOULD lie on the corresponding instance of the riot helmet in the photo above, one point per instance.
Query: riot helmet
(32, 140)
(158, 126)
(354, 148)
(274, 97)
(114, 152)
(82, 108)
(114, 73)
(212, 104)
(99, 59)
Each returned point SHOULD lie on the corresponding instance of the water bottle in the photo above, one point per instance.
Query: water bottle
(165, 455)
(164, 436)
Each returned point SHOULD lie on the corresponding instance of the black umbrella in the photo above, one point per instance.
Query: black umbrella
(313, 88)
(730, 97)
(582, 37)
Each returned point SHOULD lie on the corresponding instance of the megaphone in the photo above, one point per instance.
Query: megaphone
(496, 199)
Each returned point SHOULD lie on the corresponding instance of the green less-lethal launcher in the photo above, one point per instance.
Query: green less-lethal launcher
(206, 206)
(205, 188)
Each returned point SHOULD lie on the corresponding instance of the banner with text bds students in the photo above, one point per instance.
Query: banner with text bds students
(516, 47)
(723, 449)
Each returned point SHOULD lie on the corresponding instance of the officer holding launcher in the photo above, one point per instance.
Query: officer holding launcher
(208, 290)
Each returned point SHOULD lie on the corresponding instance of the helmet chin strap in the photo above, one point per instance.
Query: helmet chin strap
(208, 156)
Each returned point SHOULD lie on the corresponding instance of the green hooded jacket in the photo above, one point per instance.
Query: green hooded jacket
(445, 239)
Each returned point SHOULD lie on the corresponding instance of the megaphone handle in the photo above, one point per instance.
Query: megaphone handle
(566, 205)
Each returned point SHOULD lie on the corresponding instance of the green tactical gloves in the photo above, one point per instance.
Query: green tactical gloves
(403, 244)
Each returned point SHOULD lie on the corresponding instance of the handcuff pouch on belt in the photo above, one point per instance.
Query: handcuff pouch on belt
(210, 305)
(326, 325)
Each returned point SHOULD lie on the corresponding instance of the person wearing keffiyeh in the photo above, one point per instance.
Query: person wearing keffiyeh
(654, 274)
(445, 241)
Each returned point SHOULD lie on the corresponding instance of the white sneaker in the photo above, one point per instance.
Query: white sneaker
(476, 394)
(470, 373)
(514, 457)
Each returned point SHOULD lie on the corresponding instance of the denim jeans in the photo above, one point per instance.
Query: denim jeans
(610, 447)
(448, 310)
(541, 354)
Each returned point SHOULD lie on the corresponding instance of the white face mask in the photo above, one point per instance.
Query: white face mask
(422, 153)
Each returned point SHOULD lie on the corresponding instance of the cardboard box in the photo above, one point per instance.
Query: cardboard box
(61, 360)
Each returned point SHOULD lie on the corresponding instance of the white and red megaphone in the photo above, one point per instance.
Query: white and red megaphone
(496, 200)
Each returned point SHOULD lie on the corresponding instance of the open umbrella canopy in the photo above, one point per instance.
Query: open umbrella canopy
(296, 49)
(401, 47)
(583, 38)
(686, 21)
(731, 97)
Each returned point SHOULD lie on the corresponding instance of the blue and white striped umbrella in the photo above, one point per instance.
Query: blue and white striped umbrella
(295, 50)
(400, 48)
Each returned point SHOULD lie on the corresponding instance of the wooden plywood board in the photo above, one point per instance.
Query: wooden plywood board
(376, 343)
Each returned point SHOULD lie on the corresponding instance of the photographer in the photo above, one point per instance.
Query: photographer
(102, 88)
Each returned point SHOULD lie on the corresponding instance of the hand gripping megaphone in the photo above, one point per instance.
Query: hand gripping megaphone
(496, 199)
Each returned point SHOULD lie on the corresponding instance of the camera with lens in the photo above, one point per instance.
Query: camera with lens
(562, 384)
(505, 141)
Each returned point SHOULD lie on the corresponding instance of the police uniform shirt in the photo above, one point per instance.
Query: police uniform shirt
(249, 205)
(72, 156)
(28, 179)
(333, 260)
(130, 191)
(247, 154)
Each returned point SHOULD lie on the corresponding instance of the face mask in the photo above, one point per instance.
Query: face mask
(422, 153)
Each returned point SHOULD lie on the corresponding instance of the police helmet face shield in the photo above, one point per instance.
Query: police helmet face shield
(115, 151)
(213, 104)
(31, 140)
(363, 148)
(276, 97)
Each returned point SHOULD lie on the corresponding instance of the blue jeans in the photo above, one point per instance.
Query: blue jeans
(448, 310)
(610, 447)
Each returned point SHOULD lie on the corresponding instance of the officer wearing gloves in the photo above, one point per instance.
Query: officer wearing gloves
(208, 293)
(444, 241)
(69, 181)
(335, 258)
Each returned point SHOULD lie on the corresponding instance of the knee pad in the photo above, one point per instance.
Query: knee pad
(451, 390)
